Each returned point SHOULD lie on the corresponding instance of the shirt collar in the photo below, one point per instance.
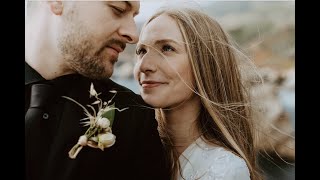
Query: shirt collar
(31, 75)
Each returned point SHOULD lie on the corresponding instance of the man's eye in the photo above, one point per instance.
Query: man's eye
(140, 51)
(118, 10)
(167, 48)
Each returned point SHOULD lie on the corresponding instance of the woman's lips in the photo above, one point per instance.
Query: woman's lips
(150, 84)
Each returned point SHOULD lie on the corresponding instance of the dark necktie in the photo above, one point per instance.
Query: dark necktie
(37, 136)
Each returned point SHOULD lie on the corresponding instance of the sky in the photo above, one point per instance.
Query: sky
(148, 7)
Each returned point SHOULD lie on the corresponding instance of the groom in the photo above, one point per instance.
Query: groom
(70, 45)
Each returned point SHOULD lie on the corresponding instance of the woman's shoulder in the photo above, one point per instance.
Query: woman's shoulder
(226, 165)
(208, 161)
(221, 156)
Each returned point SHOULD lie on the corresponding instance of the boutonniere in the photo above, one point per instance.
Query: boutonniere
(99, 132)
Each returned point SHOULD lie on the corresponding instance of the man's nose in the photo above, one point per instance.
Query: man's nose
(128, 31)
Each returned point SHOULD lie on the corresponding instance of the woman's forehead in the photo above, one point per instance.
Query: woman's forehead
(162, 27)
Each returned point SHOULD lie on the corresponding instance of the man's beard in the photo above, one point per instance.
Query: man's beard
(91, 66)
(77, 52)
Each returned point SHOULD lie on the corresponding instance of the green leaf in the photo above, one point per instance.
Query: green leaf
(110, 114)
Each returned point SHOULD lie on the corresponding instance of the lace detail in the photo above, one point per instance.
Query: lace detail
(206, 162)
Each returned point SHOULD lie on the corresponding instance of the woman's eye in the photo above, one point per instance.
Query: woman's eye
(167, 48)
(140, 51)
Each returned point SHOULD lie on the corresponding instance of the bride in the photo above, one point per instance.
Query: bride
(188, 71)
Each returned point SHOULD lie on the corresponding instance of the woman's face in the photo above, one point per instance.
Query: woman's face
(163, 69)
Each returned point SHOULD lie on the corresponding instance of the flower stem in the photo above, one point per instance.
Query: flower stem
(91, 131)
(75, 151)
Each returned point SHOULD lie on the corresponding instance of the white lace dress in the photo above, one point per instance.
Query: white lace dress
(207, 162)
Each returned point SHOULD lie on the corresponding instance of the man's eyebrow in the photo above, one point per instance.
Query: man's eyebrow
(129, 4)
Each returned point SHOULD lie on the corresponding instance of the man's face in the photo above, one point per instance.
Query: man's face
(94, 33)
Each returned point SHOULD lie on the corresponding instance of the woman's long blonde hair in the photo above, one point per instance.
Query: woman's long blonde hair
(225, 117)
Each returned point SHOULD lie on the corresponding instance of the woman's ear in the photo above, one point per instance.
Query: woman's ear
(56, 7)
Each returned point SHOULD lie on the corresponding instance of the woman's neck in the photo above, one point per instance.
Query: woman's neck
(182, 122)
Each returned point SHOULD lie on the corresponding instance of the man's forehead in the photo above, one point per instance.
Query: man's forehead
(133, 5)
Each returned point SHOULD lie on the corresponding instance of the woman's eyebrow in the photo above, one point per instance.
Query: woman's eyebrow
(160, 42)
(163, 41)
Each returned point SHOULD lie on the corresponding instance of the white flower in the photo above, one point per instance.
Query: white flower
(99, 134)
(103, 122)
(93, 92)
(83, 140)
(94, 138)
(106, 140)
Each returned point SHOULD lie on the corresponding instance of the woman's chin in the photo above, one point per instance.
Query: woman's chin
(152, 102)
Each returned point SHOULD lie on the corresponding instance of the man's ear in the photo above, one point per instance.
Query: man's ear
(56, 7)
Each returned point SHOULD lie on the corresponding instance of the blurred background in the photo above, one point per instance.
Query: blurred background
(265, 30)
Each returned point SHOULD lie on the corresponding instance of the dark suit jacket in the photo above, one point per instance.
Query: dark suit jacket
(137, 153)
